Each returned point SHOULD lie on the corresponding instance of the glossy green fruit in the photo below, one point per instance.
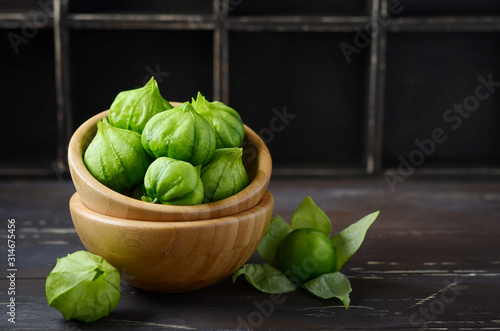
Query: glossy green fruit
(173, 182)
(83, 286)
(225, 175)
(306, 253)
(226, 122)
(115, 157)
(132, 109)
(180, 133)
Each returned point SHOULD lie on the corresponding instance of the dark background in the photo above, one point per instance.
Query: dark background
(352, 118)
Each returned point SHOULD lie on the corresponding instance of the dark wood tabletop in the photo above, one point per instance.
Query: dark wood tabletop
(430, 261)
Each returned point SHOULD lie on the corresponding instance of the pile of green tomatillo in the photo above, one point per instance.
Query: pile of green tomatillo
(154, 152)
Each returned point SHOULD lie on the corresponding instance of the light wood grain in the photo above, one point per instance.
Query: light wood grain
(96, 196)
(173, 256)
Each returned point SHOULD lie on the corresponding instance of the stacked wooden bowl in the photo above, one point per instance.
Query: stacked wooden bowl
(171, 248)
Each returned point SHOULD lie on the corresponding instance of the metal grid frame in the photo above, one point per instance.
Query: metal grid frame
(221, 23)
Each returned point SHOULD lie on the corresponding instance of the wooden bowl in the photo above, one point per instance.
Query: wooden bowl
(173, 256)
(98, 197)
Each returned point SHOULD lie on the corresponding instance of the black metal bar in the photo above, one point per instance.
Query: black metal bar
(220, 23)
(141, 21)
(379, 97)
(450, 171)
(445, 24)
(370, 155)
(315, 172)
(9, 173)
(378, 134)
(224, 52)
(297, 23)
(26, 19)
(252, 23)
(218, 12)
(221, 50)
(62, 76)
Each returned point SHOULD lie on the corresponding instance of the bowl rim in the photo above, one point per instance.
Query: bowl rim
(86, 132)
(77, 205)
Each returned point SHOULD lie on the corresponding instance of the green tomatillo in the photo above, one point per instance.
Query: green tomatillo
(225, 175)
(180, 133)
(301, 254)
(226, 122)
(83, 286)
(115, 157)
(132, 109)
(306, 253)
(173, 182)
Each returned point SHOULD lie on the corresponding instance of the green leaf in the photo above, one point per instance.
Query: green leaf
(331, 285)
(350, 239)
(309, 215)
(277, 230)
(265, 278)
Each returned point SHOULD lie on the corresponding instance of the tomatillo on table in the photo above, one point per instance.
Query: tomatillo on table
(301, 254)
(83, 286)
(306, 253)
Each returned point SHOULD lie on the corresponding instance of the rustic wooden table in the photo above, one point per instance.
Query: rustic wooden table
(430, 261)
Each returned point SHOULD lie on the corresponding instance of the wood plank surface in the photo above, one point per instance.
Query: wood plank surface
(430, 261)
